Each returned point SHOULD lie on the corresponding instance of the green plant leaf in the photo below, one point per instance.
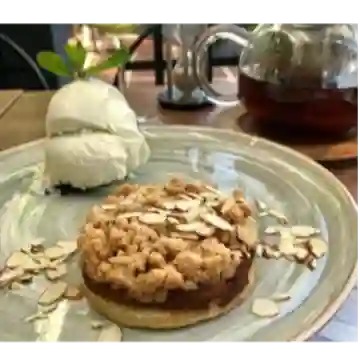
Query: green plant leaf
(113, 27)
(76, 54)
(118, 58)
(53, 63)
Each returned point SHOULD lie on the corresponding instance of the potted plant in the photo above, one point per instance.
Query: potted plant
(73, 65)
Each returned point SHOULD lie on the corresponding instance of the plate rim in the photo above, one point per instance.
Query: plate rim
(331, 309)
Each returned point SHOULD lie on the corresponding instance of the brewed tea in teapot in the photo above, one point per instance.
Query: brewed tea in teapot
(294, 74)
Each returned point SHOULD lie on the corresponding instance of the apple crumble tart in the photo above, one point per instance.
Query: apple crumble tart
(167, 256)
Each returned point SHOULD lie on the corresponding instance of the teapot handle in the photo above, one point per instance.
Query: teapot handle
(231, 32)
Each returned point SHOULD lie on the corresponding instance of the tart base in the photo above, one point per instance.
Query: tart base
(150, 318)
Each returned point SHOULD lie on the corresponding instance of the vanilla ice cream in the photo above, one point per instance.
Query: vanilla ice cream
(92, 136)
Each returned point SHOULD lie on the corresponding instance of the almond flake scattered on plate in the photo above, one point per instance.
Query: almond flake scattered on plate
(278, 216)
(54, 252)
(17, 259)
(73, 293)
(53, 293)
(110, 333)
(286, 244)
(304, 231)
(301, 253)
(9, 275)
(261, 206)
(57, 273)
(97, 324)
(69, 246)
(265, 308)
(318, 247)
(273, 230)
(281, 297)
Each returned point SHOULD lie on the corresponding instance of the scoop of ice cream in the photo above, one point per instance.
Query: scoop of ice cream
(89, 122)
(85, 160)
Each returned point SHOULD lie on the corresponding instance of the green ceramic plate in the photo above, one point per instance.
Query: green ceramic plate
(283, 179)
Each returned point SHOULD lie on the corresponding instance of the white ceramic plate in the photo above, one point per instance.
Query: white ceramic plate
(283, 179)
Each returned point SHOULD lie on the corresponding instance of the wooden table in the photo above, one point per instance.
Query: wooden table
(22, 120)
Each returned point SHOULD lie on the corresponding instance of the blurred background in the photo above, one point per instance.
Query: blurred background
(19, 45)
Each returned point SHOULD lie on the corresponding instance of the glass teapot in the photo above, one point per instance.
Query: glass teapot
(298, 74)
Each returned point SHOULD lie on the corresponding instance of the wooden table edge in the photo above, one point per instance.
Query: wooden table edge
(11, 102)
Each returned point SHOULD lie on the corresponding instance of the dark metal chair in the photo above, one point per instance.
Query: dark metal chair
(158, 63)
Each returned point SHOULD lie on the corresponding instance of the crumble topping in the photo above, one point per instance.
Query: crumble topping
(150, 239)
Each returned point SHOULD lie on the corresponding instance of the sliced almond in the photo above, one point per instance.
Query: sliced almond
(215, 191)
(205, 231)
(185, 205)
(159, 211)
(129, 215)
(96, 324)
(108, 207)
(318, 247)
(186, 197)
(271, 253)
(186, 236)
(17, 259)
(38, 257)
(301, 253)
(152, 219)
(228, 204)
(25, 278)
(262, 207)
(110, 333)
(286, 244)
(216, 221)
(54, 252)
(173, 220)
(278, 216)
(32, 266)
(265, 308)
(55, 263)
(304, 231)
(244, 250)
(53, 293)
(312, 263)
(57, 273)
(259, 250)
(209, 195)
(73, 293)
(169, 205)
(247, 233)
(281, 297)
(26, 249)
(191, 227)
(273, 230)
(45, 263)
(192, 214)
(69, 246)
(194, 196)
(212, 203)
(9, 275)
(301, 241)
